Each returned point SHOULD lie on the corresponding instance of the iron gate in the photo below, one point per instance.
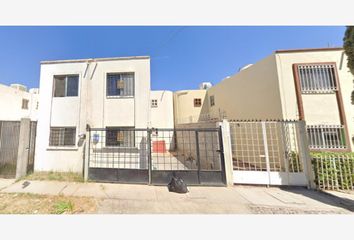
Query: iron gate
(154, 156)
(267, 152)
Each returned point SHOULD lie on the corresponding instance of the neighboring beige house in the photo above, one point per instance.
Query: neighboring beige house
(16, 102)
(314, 85)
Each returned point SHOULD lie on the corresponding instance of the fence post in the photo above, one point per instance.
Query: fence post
(266, 153)
(149, 131)
(87, 153)
(23, 148)
(226, 141)
(304, 153)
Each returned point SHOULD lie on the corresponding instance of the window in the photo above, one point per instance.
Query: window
(120, 84)
(66, 86)
(326, 137)
(120, 137)
(25, 103)
(197, 102)
(212, 101)
(37, 105)
(317, 78)
(62, 136)
(154, 103)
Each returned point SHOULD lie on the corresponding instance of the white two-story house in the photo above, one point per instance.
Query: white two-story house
(75, 95)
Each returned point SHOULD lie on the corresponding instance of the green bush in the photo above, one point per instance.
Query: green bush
(333, 170)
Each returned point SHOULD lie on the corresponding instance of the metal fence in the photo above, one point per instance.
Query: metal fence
(155, 155)
(334, 171)
(267, 152)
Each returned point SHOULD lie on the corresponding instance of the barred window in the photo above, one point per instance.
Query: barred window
(66, 86)
(121, 137)
(120, 84)
(62, 136)
(326, 136)
(317, 78)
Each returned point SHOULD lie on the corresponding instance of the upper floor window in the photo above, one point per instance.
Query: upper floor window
(154, 103)
(120, 84)
(25, 103)
(66, 86)
(212, 100)
(317, 78)
(197, 102)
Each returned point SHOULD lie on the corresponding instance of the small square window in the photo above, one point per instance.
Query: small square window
(62, 136)
(154, 103)
(25, 103)
(197, 102)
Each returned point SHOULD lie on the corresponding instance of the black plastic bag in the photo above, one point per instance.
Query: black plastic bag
(177, 185)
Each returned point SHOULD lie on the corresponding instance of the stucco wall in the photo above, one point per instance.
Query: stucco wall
(162, 115)
(323, 105)
(91, 107)
(252, 93)
(11, 104)
(184, 110)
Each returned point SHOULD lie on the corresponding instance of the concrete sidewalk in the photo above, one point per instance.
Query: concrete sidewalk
(127, 198)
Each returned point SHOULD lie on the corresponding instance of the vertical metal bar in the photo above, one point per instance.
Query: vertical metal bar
(222, 159)
(149, 155)
(266, 151)
(197, 149)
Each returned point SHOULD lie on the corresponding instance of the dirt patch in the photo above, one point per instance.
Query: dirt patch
(26, 203)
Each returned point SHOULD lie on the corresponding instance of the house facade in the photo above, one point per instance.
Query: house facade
(314, 85)
(16, 102)
(76, 95)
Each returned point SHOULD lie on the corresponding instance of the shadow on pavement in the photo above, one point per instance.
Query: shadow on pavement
(321, 196)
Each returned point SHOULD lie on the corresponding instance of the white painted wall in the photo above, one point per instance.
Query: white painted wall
(162, 115)
(91, 106)
(11, 104)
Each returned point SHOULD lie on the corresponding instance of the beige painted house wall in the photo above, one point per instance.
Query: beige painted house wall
(184, 109)
(252, 93)
(318, 108)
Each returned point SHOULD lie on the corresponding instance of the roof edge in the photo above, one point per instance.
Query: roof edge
(95, 59)
(309, 50)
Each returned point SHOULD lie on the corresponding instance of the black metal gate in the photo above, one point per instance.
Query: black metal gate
(154, 156)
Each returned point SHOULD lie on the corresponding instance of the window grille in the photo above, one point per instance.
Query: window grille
(25, 103)
(326, 136)
(317, 78)
(62, 136)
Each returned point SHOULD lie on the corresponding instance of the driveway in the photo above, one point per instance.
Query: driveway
(143, 199)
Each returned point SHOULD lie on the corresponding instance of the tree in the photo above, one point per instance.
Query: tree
(349, 47)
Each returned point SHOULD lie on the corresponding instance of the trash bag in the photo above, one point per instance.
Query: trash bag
(177, 185)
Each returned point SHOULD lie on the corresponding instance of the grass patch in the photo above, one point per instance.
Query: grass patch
(26, 203)
(55, 176)
(63, 207)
